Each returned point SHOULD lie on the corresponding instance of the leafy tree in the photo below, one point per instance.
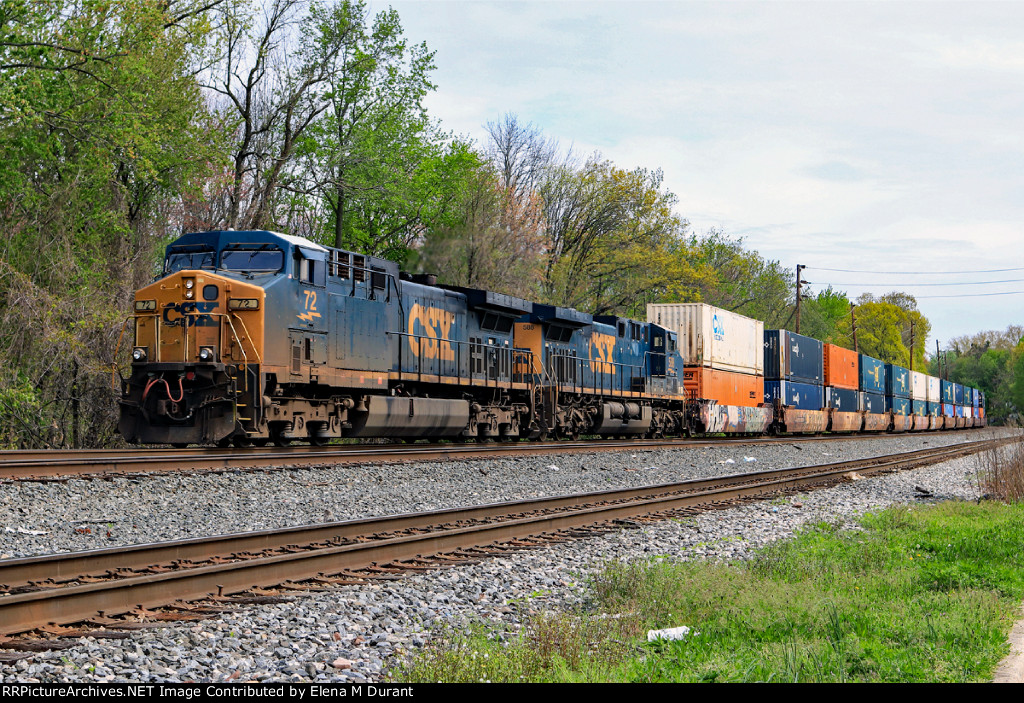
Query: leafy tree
(102, 128)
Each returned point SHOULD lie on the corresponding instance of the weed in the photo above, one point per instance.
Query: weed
(1000, 472)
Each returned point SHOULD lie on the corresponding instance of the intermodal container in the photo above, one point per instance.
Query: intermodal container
(840, 367)
(872, 374)
(712, 337)
(919, 407)
(948, 410)
(897, 405)
(976, 400)
(792, 357)
(968, 411)
(897, 381)
(958, 394)
(948, 394)
(918, 385)
(802, 396)
(933, 409)
(873, 403)
(727, 387)
(934, 392)
(841, 399)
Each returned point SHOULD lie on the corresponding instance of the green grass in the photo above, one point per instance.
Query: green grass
(921, 594)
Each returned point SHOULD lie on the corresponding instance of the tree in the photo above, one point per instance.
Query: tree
(103, 128)
(884, 328)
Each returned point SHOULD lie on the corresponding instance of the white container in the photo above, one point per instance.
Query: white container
(712, 337)
(934, 392)
(918, 385)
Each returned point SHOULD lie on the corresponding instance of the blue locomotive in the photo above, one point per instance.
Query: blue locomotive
(250, 337)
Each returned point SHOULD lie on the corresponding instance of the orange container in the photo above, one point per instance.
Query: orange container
(840, 367)
(727, 387)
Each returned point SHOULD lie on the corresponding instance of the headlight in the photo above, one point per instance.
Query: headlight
(207, 354)
(189, 283)
(188, 294)
(139, 354)
(244, 304)
(144, 305)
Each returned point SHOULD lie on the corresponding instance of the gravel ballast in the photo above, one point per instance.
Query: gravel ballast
(349, 633)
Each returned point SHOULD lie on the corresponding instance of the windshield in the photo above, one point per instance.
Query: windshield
(261, 258)
(184, 261)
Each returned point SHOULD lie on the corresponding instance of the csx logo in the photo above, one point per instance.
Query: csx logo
(184, 314)
(429, 332)
(602, 346)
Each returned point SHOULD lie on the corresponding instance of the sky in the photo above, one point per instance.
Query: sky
(872, 137)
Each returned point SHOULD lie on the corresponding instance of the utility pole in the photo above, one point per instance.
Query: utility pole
(799, 296)
(853, 326)
(911, 345)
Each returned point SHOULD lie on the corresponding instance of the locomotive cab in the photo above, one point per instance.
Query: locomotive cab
(199, 339)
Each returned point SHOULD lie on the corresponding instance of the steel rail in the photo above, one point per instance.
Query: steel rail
(24, 611)
(58, 567)
(43, 464)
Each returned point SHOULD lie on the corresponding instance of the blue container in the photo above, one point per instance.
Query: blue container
(792, 357)
(841, 399)
(873, 403)
(897, 405)
(897, 381)
(947, 410)
(919, 407)
(803, 396)
(946, 393)
(958, 394)
(872, 375)
(933, 409)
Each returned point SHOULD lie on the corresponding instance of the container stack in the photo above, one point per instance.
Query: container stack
(721, 351)
(871, 379)
(897, 389)
(933, 404)
(793, 370)
(840, 379)
(918, 393)
(948, 398)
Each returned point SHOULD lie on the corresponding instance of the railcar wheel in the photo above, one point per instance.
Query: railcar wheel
(260, 441)
(319, 441)
(179, 445)
(242, 442)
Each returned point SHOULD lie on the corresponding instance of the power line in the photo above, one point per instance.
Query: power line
(919, 285)
(968, 295)
(915, 273)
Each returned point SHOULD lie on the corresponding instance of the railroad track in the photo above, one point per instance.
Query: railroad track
(55, 464)
(92, 587)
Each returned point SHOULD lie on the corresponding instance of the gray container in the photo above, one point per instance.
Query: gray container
(713, 337)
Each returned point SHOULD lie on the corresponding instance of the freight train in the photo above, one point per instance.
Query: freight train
(250, 337)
